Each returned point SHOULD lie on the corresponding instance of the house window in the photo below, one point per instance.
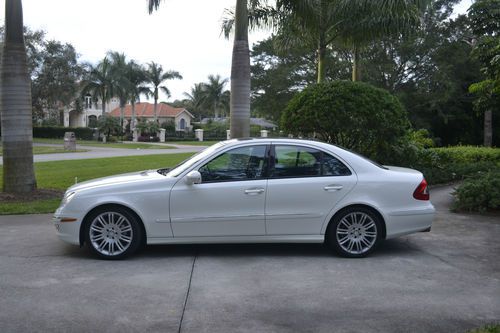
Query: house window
(182, 124)
(88, 102)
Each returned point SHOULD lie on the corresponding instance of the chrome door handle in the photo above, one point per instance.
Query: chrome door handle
(254, 191)
(331, 188)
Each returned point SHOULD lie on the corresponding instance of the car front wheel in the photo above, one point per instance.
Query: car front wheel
(355, 232)
(113, 233)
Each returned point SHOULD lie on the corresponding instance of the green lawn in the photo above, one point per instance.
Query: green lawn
(50, 150)
(61, 174)
(135, 145)
(194, 143)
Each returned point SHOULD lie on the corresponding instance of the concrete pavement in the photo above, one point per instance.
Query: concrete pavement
(447, 280)
(98, 152)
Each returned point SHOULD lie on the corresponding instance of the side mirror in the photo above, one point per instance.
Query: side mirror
(193, 177)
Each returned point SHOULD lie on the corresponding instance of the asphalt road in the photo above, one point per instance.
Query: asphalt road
(98, 152)
(447, 280)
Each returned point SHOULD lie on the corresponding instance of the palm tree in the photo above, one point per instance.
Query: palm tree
(240, 70)
(136, 76)
(362, 21)
(155, 76)
(15, 106)
(240, 74)
(296, 22)
(196, 98)
(318, 23)
(100, 82)
(213, 91)
(119, 70)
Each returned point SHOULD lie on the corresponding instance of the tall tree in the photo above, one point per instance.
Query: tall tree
(484, 16)
(15, 105)
(240, 70)
(240, 74)
(363, 21)
(121, 83)
(319, 23)
(56, 83)
(155, 76)
(277, 76)
(100, 82)
(136, 76)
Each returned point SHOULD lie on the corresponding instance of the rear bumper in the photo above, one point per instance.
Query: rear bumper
(400, 223)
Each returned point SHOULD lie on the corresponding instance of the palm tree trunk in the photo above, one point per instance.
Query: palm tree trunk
(321, 64)
(216, 114)
(240, 75)
(156, 103)
(488, 128)
(15, 106)
(122, 115)
(132, 120)
(356, 71)
(103, 106)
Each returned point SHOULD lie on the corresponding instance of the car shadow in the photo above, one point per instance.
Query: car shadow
(389, 248)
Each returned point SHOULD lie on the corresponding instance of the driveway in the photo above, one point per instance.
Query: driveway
(98, 152)
(447, 280)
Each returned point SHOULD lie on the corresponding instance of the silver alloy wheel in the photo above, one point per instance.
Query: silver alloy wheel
(111, 233)
(356, 233)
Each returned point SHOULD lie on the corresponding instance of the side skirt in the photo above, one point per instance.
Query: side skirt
(238, 239)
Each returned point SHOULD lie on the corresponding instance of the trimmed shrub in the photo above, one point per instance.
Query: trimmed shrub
(57, 132)
(353, 115)
(481, 193)
(445, 165)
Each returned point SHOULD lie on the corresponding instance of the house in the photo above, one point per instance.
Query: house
(180, 116)
(91, 111)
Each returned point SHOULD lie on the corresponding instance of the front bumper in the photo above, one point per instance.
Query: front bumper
(67, 231)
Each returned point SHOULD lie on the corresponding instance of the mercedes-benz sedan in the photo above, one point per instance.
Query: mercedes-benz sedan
(252, 191)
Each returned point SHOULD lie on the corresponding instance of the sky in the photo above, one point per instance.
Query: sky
(183, 35)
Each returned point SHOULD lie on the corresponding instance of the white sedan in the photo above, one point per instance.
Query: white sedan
(252, 191)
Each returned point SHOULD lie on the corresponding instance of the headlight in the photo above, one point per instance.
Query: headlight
(67, 198)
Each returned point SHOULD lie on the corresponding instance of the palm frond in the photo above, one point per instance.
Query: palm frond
(153, 5)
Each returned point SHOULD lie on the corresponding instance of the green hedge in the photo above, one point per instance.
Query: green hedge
(445, 165)
(57, 132)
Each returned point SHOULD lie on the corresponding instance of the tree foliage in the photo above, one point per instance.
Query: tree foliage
(109, 125)
(354, 115)
(484, 16)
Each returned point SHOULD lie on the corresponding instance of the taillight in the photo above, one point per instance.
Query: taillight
(421, 192)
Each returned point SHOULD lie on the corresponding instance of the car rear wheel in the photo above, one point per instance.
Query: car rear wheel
(113, 233)
(355, 232)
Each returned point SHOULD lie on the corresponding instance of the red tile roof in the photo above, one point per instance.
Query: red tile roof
(146, 110)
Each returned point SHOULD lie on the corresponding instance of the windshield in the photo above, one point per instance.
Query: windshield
(180, 168)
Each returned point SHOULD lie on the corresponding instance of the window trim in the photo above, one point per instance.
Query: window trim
(265, 167)
(272, 161)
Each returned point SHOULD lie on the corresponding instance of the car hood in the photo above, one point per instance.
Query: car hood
(126, 178)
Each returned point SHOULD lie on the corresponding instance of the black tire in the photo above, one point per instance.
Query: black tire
(113, 240)
(354, 232)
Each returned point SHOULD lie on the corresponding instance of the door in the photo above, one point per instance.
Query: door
(304, 185)
(230, 199)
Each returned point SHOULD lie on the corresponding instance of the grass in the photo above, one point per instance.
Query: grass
(61, 174)
(92, 143)
(194, 143)
(50, 150)
(494, 328)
